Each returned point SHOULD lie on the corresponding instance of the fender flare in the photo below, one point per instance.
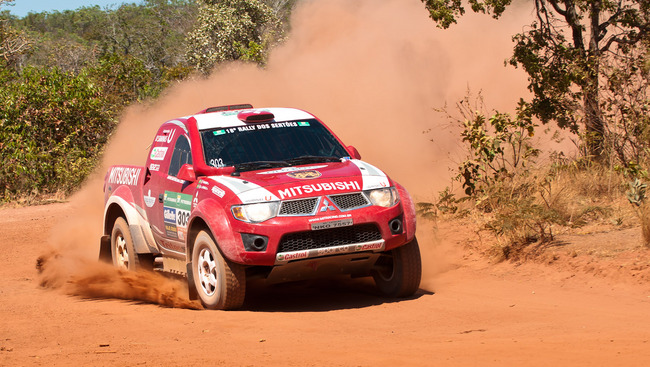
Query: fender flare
(211, 214)
(410, 217)
(143, 241)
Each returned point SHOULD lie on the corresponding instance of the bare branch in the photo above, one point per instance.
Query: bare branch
(556, 7)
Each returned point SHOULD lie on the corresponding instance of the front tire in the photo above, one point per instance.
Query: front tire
(220, 284)
(399, 271)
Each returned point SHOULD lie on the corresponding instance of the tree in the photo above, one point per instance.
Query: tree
(153, 31)
(567, 52)
(230, 29)
(13, 44)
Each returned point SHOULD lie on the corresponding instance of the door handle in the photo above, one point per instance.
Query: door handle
(160, 198)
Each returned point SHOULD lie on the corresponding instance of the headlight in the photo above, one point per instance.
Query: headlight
(383, 197)
(256, 213)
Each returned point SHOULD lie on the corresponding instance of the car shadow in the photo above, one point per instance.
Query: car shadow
(317, 295)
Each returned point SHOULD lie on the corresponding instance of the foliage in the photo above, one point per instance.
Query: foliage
(53, 127)
(636, 195)
(446, 204)
(124, 79)
(504, 186)
(625, 97)
(570, 47)
(13, 43)
(153, 32)
(445, 12)
(66, 76)
(224, 26)
(498, 147)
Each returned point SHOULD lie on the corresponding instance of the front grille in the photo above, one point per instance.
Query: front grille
(298, 207)
(349, 201)
(329, 237)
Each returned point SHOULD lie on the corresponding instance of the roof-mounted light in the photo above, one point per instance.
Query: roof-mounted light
(253, 116)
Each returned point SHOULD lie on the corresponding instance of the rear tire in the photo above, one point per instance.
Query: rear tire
(220, 284)
(122, 250)
(399, 271)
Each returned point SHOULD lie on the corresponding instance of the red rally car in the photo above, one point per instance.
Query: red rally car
(234, 193)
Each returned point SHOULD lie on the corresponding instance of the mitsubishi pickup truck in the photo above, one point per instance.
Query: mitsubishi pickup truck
(235, 193)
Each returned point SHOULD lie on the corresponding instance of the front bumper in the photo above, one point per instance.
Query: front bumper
(297, 238)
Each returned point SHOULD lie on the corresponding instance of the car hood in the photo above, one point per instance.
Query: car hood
(297, 182)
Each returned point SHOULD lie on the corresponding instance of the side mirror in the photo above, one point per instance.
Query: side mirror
(186, 173)
(354, 153)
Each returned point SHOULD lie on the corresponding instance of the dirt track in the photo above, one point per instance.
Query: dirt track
(472, 315)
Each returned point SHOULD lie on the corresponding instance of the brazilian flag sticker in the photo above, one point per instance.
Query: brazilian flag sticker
(303, 123)
(219, 132)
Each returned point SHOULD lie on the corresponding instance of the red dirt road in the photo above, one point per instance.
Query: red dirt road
(471, 315)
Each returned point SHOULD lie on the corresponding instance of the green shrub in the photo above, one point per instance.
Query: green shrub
(53, 126)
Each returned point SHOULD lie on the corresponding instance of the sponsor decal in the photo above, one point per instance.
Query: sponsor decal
(158, 153)
(291, 169)
(246, 191)
(329, 217)
(273, 125)
(170, 215)
(172, 246)
(334, 250)
(149, 200)
(305, 175)
(370, 246)
(202, 185)
(154, 167)
(373, 182)
(177, 200)
(176, 211)
(175, 179)
(218, 191)
(171, 230)
(124, 175)
(293, 256)
(166, 137)
(308, 189)
(276, 125)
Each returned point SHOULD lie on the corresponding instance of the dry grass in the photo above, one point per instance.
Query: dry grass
(529, 210)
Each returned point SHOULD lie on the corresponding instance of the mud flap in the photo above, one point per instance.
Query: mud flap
(191, 286)
(105, 249)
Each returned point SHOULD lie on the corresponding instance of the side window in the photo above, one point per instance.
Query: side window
(182, 154)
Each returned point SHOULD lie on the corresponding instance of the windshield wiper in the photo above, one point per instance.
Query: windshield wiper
(251, 166)
(305, 159)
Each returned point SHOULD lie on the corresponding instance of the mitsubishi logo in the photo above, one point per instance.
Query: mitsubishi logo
(326, 206)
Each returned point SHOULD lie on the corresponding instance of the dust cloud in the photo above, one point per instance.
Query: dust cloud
(78, 276)
(374, 71)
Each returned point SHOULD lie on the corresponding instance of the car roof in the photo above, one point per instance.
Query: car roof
(224, 119)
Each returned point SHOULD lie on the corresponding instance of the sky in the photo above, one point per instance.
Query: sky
(22, 7)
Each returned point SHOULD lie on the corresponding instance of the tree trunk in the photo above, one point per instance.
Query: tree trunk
(594, 124)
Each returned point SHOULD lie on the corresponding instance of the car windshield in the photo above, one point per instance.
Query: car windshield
(273, 144)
